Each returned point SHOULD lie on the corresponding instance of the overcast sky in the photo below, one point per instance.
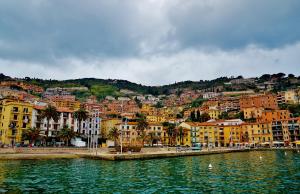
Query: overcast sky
(152, 42)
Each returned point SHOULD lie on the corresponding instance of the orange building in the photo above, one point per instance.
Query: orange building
(274, 115)
(70, 104)
(264, 101)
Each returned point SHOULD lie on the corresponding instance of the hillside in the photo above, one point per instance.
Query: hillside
(104, 87)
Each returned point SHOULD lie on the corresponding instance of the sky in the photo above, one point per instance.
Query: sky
(152, 42)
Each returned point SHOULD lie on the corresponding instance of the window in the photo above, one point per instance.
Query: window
(24, 125)
(15, 109)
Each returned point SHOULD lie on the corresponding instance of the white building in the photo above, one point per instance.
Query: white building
(65, 119)
(91, 126)
(209, 95)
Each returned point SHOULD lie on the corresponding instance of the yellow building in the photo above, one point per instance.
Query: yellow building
(183, 137)
(257, 133)
(214, 113)
(155, 119)
(193, 132)
(15, 116)
(232, 135)
(209, 134)
(130, 136)
(107, 124)
(253, 112)
(292, 96)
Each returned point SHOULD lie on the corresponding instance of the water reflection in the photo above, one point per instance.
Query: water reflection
(231, 173)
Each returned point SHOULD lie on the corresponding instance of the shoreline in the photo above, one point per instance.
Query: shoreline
(42, 154)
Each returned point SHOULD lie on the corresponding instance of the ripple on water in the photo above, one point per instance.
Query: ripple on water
(231, 173)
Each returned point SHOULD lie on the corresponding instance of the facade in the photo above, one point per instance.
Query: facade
(66, 103)
(274, 115)
(15, 116)
(155, 119)
(214, 113)
(252, 112)
(267, 101)
(90, 126)
(209, 95)
(66, 118)
(194, 132)
(291, 97)
(286, 131)
(259, 133)
(108, 124)
(130, 135)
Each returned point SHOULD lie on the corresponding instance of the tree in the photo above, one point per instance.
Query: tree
(49, 113)
(198, 115)
(224, 115)
(170, 132)
(114, 135)
(81, 115)
(181, 135)
(159, 105)
(66, 134)
(204, 117)
(31, 134)
(193, 116)
(141, 126)
(291, 76)
(265, 77)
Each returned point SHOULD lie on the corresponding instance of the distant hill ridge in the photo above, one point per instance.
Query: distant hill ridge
(102, 87)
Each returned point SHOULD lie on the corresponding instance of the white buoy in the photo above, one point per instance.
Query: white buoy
(210, 166)
(260, 157)
(285, 153)
(298, 151)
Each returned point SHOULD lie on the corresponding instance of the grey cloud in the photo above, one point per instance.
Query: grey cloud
(150, 41)
(235, 24)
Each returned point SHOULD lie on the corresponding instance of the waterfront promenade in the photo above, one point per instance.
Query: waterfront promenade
(105, 154)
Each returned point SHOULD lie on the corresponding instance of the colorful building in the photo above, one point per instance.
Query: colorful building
(15, 116)
(267, 101)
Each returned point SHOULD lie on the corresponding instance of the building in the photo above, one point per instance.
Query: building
(209, 95)
(193, 128)
(266, 101)
(131, 136)
(258, 133)
(253, 112)
(155, 118)
(214, 113)
(274, 115)
(108, 124)
(90, 126)
(292, 96)
(286, 131)
(15, 117)
(65, 118)
(66, 103)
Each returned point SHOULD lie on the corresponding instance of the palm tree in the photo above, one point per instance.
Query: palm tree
(31, 134)
(66, 134)
(49, 113)
(141, 126)
(114, 135)
(81, 115)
